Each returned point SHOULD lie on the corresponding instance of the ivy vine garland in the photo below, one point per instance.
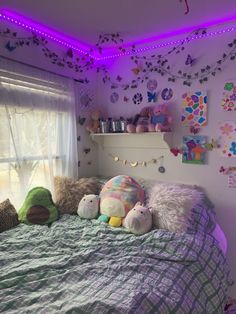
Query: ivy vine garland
(144, 66)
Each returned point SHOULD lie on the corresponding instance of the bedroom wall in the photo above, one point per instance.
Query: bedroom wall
(208, 176)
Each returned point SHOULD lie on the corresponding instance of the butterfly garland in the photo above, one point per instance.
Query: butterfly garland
(81, 120)
(190, 61)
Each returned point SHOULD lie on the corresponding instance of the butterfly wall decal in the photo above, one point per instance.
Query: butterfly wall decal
(194, 130)
(213, 144)
(81, 120)
(126, 99)
(152, 97)
(119, 78)
(136, 70)
(9, 47)
(190, 61)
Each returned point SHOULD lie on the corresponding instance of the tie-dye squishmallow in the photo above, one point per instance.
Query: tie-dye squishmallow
(117, 197)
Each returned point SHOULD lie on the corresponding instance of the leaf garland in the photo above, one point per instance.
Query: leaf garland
(156, 63)
(159, 63)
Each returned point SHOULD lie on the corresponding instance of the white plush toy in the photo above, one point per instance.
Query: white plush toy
(138, 220)
(88, 206)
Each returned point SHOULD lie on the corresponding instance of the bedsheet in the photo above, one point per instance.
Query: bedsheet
(83, 266)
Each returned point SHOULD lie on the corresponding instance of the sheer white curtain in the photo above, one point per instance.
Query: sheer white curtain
(37, 129)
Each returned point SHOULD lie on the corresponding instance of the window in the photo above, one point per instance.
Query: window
(37, 130)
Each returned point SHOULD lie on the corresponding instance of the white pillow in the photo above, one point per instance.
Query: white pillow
(171, 205)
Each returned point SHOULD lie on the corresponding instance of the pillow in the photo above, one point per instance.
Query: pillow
(119, 195)
(172, 204)
(68, 192)
(38, 207)
(8, 216)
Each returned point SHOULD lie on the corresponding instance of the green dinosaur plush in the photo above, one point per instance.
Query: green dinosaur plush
(38, 207)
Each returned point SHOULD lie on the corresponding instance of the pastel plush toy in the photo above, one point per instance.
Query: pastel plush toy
(161, 119)
(138, 219)
(117, 197)
(93, 125)
(141, 121)
(89, 206)
(38, 207)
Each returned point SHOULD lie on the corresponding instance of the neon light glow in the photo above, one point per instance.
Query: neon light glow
(109, 52)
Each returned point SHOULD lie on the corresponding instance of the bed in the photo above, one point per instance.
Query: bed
(84, 266)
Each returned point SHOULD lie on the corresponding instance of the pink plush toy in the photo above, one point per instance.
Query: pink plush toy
(141, 121)
(160, 120)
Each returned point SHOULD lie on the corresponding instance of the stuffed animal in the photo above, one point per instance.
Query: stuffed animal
(93, 125)
(138, 219)
(161, 119)
(89, 206)
(141, 121)
(118, 196)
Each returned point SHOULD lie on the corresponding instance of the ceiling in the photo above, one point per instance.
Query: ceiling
(133, 19)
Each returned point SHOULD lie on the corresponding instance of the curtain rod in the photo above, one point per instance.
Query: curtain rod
(41, 69)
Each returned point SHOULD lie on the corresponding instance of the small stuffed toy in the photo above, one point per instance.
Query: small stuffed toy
(160, 120)
(141, 121)
(138, 219)
(89, 206)
(93, 125)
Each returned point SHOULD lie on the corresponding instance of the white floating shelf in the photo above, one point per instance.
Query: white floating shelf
(134, 140)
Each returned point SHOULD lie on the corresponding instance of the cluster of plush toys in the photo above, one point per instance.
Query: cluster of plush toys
(120, 203)
(151, 119)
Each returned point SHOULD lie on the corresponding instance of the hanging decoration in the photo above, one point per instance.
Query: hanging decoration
(228, 138)
(194, 151)
(194, 109)
(152, 85)
(114, 97)
(231, 172)
(152, 96)
(187, 6)
(229, 96)
(86, 98)
(136, 163)
(138, 98)
(167, 94)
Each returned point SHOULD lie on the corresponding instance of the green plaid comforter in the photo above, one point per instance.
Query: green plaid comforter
(82, 266)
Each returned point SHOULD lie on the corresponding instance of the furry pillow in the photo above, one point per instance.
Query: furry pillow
(69, 192)
(8, 216)
(171, 205)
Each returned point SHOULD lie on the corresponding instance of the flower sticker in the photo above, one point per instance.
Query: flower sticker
(228, 86)
(226, 129)
(233, 148)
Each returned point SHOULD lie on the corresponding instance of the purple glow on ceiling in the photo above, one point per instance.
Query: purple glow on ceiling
(110, 52)
(44, 31)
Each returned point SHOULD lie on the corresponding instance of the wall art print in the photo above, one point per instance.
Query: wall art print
(232, 180)
(228, 138)
(194, 109)
(229, 96)
(194, 151)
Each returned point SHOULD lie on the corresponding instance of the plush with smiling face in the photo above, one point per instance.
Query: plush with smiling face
(89, 206)
(138, 219)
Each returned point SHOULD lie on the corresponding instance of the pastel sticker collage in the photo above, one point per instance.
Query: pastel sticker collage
(228, 138)
(194, 109)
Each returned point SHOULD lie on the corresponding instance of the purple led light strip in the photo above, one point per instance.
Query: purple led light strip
(23, 22)
(85, 49)
(170, 43)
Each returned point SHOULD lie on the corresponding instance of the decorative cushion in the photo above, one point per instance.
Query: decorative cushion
(38, 207)
(119, 195)
(68, 192)
(172, 204)
(8, 216)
